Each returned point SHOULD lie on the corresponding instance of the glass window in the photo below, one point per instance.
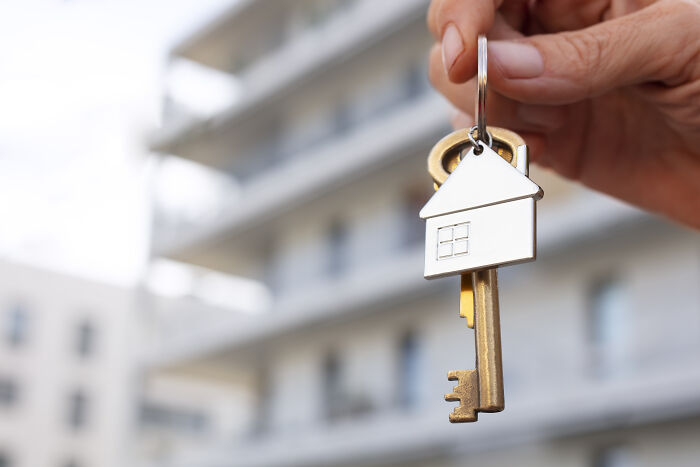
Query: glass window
(613, 456)
(16, 325)
(174, 418)
(261, 419)
(77, 410)
(271, 270)
(409, 371)
(85, 339)
(608, 326)
(8, 392)
(332, 389)
(337, 245)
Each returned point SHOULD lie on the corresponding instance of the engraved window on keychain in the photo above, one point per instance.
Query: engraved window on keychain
(453, 240)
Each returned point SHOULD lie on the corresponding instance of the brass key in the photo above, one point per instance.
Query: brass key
(479, 390)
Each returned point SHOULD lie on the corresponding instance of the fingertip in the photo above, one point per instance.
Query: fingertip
(457, 55)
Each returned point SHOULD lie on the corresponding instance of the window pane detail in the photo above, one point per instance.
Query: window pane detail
(16, 326)
(608, 327)
(77, 410)
(85, 339)
(453, 240)
(8, 392)
(614, 456)
(409, 371)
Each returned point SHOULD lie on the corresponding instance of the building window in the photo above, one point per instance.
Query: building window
(271, 270)
(339, 402)
(262, 412)
(409, 371)
(77, 410)
(609, 324)
(342, 118)
(85, 339)
(176, 419)
(337, 245)
(332, 386)
(16, 325)
(613, 456)
(8, 393)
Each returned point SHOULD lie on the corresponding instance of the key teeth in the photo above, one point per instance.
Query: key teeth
(466, 392)
(456, 417)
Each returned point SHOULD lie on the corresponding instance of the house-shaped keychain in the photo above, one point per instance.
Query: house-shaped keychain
(482, 216)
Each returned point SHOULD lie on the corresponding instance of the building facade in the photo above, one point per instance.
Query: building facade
(347, 366)
(66, 362)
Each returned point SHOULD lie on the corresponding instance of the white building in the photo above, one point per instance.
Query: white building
(66, 362)
(601, 335)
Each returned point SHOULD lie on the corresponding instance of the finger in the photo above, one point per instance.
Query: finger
(457, 24)
(501, 111)
(515, 13)
(568, 15)
(654, 44)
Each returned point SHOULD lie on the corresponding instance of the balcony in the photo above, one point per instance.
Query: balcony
(322, 301)
(583, 406)
(282, 71)
(343, 157)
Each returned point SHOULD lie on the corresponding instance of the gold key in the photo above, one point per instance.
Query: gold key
(479, 390)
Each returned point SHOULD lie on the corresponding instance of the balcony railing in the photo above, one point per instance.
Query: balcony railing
(556, 410)
(345, 120)
(407, 121)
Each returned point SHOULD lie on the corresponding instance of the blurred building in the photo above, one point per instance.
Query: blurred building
(347, 366)
(66, 361)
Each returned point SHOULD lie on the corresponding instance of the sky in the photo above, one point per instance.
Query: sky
(80, 89)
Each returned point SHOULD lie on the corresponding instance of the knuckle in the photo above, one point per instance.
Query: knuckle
(586, 51)
(678, 44)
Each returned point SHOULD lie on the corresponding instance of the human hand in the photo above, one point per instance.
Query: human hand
(606, 92)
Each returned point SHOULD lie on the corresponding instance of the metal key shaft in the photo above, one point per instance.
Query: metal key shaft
(480, 390)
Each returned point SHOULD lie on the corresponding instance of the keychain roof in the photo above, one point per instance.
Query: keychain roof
(480, 180)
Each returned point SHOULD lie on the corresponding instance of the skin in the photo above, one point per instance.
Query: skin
(617, 106)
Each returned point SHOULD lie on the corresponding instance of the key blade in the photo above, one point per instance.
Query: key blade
(466, 299)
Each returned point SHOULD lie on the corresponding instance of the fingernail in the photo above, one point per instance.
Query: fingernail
(452, 46)
(516, 60)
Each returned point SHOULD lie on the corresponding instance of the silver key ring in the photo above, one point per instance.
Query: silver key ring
(478, 144)
(480, 104)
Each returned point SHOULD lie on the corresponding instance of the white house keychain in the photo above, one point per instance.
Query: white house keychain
(481, 217)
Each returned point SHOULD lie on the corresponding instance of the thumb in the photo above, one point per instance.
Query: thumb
(653, 44)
